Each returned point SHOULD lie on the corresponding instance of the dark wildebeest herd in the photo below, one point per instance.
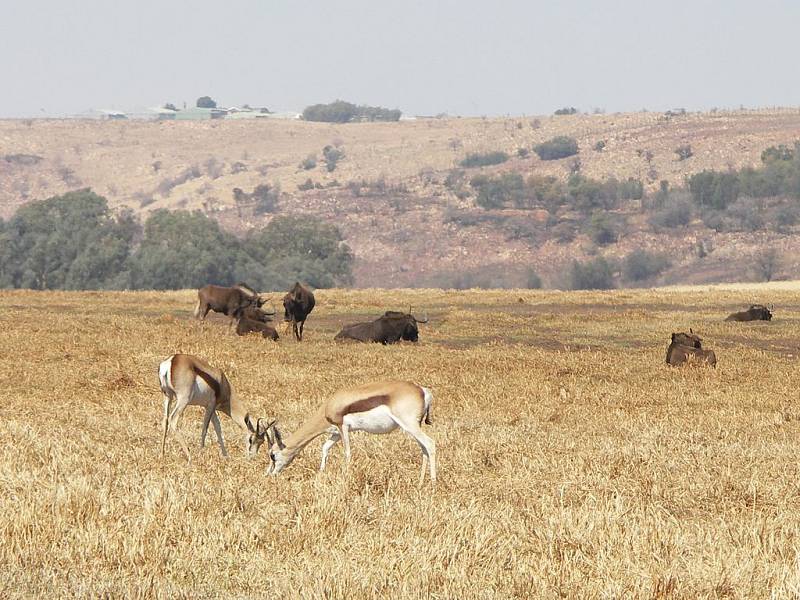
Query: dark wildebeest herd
(688, 347)
(245, 308)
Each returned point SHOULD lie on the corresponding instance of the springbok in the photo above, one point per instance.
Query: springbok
(188, 380)
(379, 407)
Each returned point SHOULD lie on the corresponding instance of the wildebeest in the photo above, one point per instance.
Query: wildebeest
(230, 301)
(388, 329)
(756, 312)
(687, 348)
(245, 326)
(255, 313)
(297, 305)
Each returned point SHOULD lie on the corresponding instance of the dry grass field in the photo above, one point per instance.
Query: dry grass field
(572, 461)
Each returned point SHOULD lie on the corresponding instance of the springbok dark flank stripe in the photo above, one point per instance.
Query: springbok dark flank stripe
(212, 383)
(358, 406)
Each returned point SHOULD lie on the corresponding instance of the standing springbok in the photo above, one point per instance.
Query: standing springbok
(190, 381)
(379, 407)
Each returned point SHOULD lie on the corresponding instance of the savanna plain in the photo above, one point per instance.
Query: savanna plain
(573, 462)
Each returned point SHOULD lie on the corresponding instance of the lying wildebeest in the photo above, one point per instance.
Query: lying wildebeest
(756, 312)
(297, 305)
(255, 313)
(230, 301)
(388, 329)
(245, 326)
(688, 348)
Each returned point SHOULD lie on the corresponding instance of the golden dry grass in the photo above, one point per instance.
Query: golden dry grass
(573, 462)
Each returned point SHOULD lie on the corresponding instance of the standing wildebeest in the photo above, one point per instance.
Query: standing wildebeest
(388, 329)
(230, 301)
(245, 326)
(687, 347)
(756, 312)
(298, 304)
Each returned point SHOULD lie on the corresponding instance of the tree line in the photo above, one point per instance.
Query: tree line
(74, 242)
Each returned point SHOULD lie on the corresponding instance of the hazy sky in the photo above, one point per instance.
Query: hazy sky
(425, 57)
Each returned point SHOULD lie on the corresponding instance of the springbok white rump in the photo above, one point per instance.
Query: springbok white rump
(379, 407)
(188, 380)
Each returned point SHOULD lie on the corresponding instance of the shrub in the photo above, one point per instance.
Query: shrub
(777, 153)
(238, 167)
(714, 189)
(767, 263)
(567, 110)
(523, 152)
(631, 189)
(558, 147)
(23, 159)
(498, 192)
(596, 274)
(484, 160)
(306, 185)
(600, 146)
(532, 280)
(309, 162)
(214, 168)
(548, 191)
(684, 152)
(332, 156)
(167, 185)
(564, 232)
(602, 229)
(641, 264)
(266, 198)
(676, 213)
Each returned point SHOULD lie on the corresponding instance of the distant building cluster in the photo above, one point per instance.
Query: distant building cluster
(192, 113)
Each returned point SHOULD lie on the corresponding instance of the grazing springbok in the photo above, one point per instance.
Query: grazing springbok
(379, 407)
(188, 380)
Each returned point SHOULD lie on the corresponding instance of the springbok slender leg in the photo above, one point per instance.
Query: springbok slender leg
(427, 445)
(210, 410)
(173, 425)
(344, 431)
(165, 423)
(218, 430)
(326, 447)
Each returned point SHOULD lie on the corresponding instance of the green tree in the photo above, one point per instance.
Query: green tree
(595, 274)
(641, 264)
(206, 102)
(301, 248)
(71, 241)
(184, 249)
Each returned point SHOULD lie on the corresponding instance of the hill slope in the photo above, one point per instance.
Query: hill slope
(399, 217)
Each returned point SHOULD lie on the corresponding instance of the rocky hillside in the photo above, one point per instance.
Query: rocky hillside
(390, 192)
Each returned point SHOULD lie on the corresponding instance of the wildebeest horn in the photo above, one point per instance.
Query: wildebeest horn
(422, 319)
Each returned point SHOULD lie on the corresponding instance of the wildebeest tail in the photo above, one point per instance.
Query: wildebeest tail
(426, 412)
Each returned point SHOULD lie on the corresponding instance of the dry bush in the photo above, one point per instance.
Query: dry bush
(573, 462)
